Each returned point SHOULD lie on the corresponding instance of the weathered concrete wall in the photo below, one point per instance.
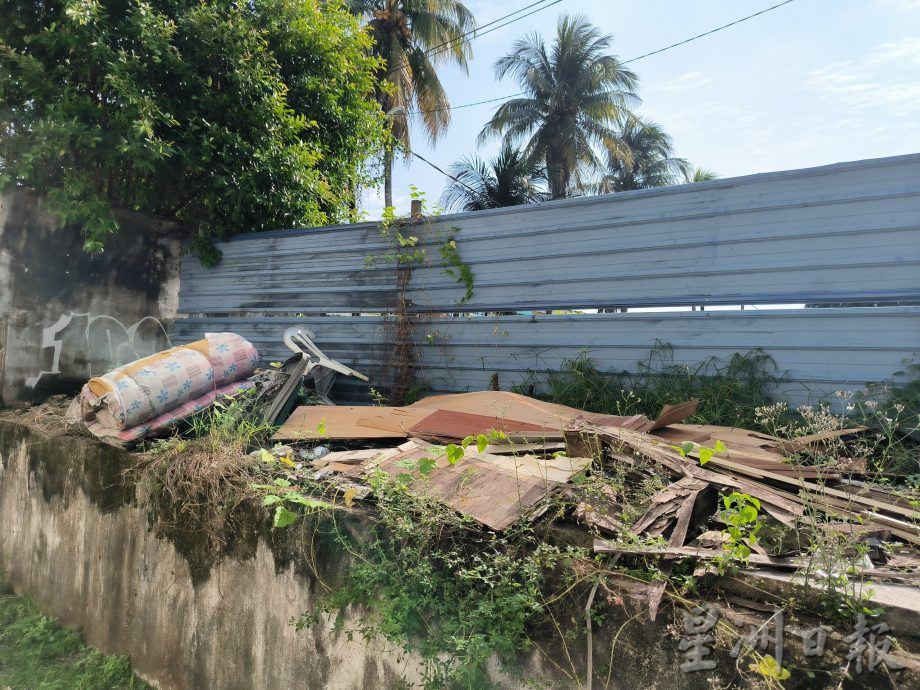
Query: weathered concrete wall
(64, 315)
(74, 539)
(76, 536)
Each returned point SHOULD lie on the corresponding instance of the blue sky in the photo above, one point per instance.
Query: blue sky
(810, 83)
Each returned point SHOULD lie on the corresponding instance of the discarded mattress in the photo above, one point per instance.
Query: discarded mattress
(155, 392)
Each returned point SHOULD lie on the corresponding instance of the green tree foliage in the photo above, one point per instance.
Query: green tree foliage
(412, 37)
(575, 93)
(643, 159)
(509, 179)
(700, 175)
(230, 117)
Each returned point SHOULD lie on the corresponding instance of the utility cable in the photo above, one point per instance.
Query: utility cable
(640, 57)
(440, 170)
(476, 33)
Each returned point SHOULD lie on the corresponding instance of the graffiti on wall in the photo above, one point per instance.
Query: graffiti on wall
(93, 345)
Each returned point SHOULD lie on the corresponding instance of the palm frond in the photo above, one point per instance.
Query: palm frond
(509, 179)
(574, 93)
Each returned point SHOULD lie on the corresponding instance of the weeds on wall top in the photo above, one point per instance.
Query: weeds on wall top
(729, 389)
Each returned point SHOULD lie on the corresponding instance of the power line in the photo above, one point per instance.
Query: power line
(640, 57)
(477, 32)
(440, 170)
(479, 28)
(707, 33)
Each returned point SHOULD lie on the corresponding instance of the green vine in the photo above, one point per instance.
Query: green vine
(407, 249)
(456, 269)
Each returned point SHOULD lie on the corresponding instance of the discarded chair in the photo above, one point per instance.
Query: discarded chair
(308, 364)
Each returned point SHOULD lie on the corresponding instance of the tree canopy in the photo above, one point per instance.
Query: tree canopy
(648, 160)
(228, 116)
(574, 94)
(508, 179)
(411, 38)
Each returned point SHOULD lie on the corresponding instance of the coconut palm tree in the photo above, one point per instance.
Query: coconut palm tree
(649, 162)
(574, 92)
(508, 179)
(412, 37)
(700, 175)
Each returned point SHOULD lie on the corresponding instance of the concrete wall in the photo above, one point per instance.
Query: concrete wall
(78, 536)
(66, 316)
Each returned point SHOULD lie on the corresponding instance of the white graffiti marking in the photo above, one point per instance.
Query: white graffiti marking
(116, 351)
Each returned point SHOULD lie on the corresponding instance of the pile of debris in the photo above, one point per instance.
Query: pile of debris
(500, 457)
(535, 452)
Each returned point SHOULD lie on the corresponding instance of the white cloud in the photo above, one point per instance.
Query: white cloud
(684, 82)
(371, 203)
(901, 5)
(885, 79)
(905, 51)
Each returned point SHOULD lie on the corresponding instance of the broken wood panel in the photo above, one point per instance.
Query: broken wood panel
(673, 414)
(851, 498)
(559, 470)
(324, 422)
(489, 495)
(447, 424)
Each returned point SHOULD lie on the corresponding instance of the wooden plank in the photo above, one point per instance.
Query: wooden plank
(446, 424)
(604, 546)
(822, 492)
(781, 562)
(491, 496)
(519, 448)
(324, 422)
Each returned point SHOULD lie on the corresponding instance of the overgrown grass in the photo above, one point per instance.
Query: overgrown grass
(729, 390)
(36, 654)
(199, 481)
(434, 582)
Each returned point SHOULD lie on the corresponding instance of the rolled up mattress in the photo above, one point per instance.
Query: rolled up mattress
(152, 386)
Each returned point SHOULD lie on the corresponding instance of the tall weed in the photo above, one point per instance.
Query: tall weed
(729, 390)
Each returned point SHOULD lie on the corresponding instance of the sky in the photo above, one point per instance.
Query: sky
(810, 83)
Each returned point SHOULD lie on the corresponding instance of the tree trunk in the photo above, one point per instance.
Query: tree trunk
(388, 173)
(555, 175)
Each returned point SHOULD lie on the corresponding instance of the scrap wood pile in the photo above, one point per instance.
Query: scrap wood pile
(528, 456)
(537, 452)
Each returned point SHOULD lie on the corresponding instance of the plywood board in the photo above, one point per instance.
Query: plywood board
(480, 490)
(394, 419)
(504, 405)
(560, 470)
(324, 422)
(447, 424)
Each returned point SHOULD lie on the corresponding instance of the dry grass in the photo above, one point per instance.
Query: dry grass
(48, 419)
(198, 484)
(193, 487)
